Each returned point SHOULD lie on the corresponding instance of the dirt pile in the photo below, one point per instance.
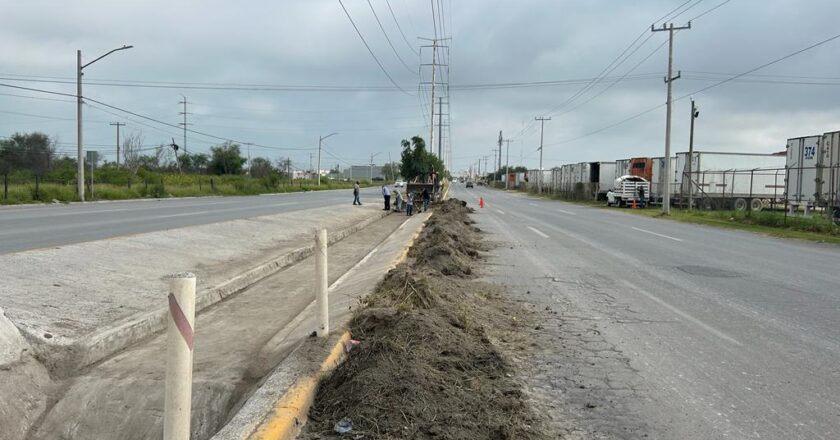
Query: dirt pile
(425, 368)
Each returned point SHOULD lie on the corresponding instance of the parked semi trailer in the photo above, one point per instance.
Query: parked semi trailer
(731, 180)
(813, 172)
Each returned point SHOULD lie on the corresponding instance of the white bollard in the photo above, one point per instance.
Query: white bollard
(179, 356)
(321, 283)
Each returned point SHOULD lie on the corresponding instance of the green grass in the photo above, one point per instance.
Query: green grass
(816, 228)
(171, 186)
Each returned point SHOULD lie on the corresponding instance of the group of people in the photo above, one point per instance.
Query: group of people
(399, 201)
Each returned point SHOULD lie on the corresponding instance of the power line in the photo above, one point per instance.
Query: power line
(396, 22)
(381, 67)
(719, 83)
(388, 39)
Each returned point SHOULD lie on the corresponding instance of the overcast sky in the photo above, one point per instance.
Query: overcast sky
(312, 45)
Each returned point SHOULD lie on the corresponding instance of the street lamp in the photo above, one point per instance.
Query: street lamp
(318, 170)
(371, 164)
(79, 157)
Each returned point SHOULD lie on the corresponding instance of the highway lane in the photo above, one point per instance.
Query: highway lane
(33, 227)
(725, 334)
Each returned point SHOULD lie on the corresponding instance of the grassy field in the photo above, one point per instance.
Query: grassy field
(773, 223)
(167, 186)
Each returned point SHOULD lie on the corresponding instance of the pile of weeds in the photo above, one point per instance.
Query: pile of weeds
(425, 367)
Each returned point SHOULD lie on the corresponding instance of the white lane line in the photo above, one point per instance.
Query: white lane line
(500, 211)
(538, 232)
(566, 212)
(533, 204)
(654, 233)
(184, 214)
(684, 315)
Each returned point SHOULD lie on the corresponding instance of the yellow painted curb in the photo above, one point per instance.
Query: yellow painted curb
(290, 412)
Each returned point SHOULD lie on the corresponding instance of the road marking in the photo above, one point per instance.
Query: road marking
(182, 214)
(658, 235)
(533, 204)
(685, 315)
(566, 212)
(538, 232)
(500, 211)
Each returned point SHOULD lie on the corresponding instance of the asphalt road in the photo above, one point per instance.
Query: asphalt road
(678, 331)
(33, 227)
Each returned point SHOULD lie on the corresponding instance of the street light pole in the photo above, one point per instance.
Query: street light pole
(371, 165)
(318, 170)
(80, 178)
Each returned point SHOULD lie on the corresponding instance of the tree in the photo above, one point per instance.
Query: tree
(31, 151)
(261, 167)
(226, 159)
(417, 162)
(131, 147)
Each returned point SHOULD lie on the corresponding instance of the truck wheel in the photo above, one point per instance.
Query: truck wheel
(707, 204)
(740, 204)
(756, 205)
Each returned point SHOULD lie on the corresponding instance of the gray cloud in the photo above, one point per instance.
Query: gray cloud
(312, 43)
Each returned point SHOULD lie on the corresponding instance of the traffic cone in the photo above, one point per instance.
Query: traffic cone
(481, 202)
(634, 203)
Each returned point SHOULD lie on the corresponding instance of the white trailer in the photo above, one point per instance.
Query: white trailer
(659, 179)
(829, 172)
(731, 180)
(622, 168)
(601, 177)
(801, 177)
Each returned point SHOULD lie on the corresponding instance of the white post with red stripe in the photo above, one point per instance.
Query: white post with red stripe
(179, 356)
(321, 283)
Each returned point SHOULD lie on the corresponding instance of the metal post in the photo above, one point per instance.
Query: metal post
(179, 357)
(92, 197)
(440, 128)
(80, 158)
(321, 283)
(318, 171)
(749, 207)
(542, 129)
(694, 114)
(117, 124)
(507, 165)
(432, 100)
(666, 193)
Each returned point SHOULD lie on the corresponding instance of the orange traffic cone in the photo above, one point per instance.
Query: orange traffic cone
(481, 202)
(634, 203)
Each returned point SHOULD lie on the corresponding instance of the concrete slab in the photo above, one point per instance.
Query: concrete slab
(80, 303)
(122, 397)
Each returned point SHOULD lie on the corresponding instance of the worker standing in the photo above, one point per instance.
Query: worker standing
(386, 194)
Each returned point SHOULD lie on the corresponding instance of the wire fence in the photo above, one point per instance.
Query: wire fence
(808, 189)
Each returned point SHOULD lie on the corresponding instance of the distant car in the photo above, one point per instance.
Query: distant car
(469, 184)
(399, 184)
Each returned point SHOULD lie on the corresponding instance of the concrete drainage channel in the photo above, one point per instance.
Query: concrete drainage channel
(237, 342)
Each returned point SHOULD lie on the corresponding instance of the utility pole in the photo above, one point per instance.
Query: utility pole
(434, 65)
(495, 150)
(485, 165)
(694, 114)
(371, 165)
(666, 193)
(118, 124)
(320, 140)
(311, 156)
(184, 113)
(80, 159)
(440, 128)
(507, 165)
(248, 145)
(542, 120)
(500, 149)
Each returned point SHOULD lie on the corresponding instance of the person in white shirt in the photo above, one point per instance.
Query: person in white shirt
(386, 193)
